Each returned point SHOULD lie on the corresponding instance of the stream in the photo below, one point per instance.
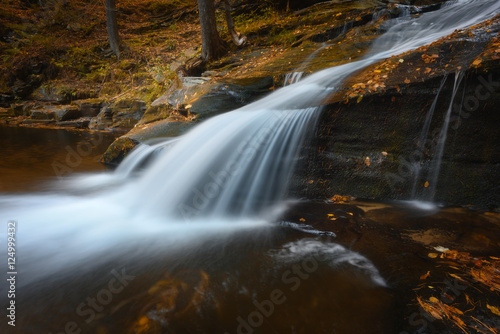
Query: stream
(200, 237)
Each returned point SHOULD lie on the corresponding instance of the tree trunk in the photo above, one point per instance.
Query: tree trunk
(112, 26)
(212, 46)
(235, 36)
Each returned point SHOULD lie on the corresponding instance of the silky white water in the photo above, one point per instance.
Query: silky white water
(227, 174)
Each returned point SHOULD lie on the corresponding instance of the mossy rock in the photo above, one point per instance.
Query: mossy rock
(156, 113)
(118, 150)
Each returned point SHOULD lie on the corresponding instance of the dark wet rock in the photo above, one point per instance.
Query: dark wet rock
(43, 114)
(80, 123)
(118, 150)
(170, 127)
(21, 109)
(89, 107)
(123, 114)
(58, 113)
(5, 100)
(6, 113)
(367, 149)
(213, 98)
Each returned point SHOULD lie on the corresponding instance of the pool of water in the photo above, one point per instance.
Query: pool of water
(31, 156)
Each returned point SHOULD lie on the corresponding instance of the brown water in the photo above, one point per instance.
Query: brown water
(31, 156)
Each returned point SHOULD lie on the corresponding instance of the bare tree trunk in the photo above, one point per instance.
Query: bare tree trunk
(237, 38)
(112, 26)
(212, 46)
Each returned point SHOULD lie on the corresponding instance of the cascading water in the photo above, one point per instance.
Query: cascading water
(232, 167)
(292, 77)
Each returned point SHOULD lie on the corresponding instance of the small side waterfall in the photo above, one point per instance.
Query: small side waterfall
(417, 166)
(292, 77)
(435, 167)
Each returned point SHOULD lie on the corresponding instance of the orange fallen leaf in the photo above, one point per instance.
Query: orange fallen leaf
(426, 275)
(493, 309)
(302, 220)
(426, 184)
(407, 81)
(477, 62)
(427, 70)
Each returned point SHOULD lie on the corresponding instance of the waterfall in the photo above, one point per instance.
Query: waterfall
(230, 172)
